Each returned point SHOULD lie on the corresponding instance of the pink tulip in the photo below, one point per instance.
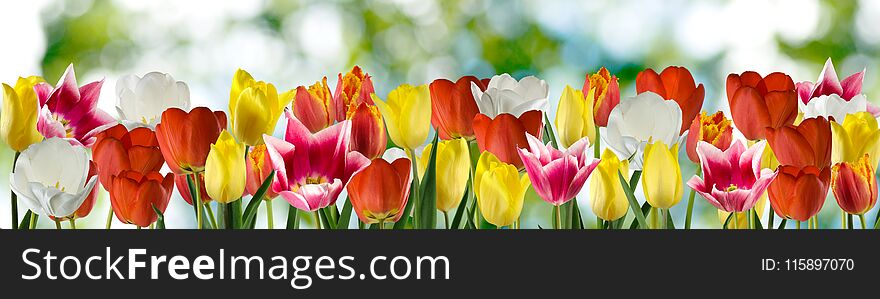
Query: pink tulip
(830, 84)
(556, 175)
(312, 169)
(733, 180)
(71, 112)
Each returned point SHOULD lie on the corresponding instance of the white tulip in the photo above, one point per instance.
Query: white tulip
(833, 106)
(141, 101)
(506, 95)
(51, 177)
(638, 120)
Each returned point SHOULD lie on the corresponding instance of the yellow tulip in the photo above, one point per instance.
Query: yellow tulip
(661, 175)
(18, 122)
(500, 190)
(607, 197)
(453, 169)
(225, 169)
(254, 107)
(407, 115)
(574, 117)
(742, 220)
(859, 135)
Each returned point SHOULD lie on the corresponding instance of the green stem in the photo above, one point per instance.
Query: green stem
(415, 183)
(211, 216)
(749, 215)
(798, 224)
(558, 217)
(33, 221)
(597, 152)
(862, 220)
(110, 217)
(270, 217)
(842, 219)
(446, 218)
(690, 207)
(197, 200)
(735, 220)
(664, 213)
(381, 224)
(13, 198)
(292, 219)
(317, 220)
(72, 223)
(770, 217)
(599, 223)
(57, 223)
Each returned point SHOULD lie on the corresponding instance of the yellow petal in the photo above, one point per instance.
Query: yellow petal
(607, 198)
(225, 169)
(661, 175)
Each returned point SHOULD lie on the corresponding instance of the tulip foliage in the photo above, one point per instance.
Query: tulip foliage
(458, 153)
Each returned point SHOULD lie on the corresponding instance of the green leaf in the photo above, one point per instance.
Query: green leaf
(344, 218)
(222, 215)
(401, 224)
(670, 224)
(727, 221)
(756, 220)
(326, 221)
(549, 130)
(459, 212)
(427, 213)
(470, 220)
(633, 203)
(292, 218)
(250, 213)
(646, 207)
(160, 222)
(26, 221)
(781, 223)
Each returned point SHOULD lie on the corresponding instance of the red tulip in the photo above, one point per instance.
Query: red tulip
(799, 193)
(453, 107)
(504, 134)
(314, 106)
(134, 194)
(606, 96)
(714, 129)
(351, 90)
(116, 150)
(368, 135)
(807, 144)
(185, 138)
(757, 103)
(379, 192)
(674, 83)
(185, 192)
(258, 169)
(855, 185)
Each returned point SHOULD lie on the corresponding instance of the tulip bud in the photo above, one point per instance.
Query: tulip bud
(854, 185)
(607, 197)
(499, 189)
(258, 169)
(225, 169)
(314, 106)
(662, 175)
(714, 129)
(453, 168)
(351, 90)
(133, 195)
(856, 136)
(18, 127)
(254, 108)
(180, 182)
(674, 83)
(606, 95)
(379, 192)
(574, 118)
(407, 115)
(368, 131)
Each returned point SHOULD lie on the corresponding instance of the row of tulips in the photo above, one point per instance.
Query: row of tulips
(494, 143)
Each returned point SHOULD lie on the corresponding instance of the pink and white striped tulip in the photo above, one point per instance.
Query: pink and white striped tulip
(556, 175)
(831, 97)
(312, 169)
(71, 112)
(733, 180)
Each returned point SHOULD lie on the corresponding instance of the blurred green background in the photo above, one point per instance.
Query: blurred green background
(293, 43)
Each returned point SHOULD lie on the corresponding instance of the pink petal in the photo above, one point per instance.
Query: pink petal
(327, 150)
(713, 161)
(560, 173)
(84, 124)
(88, 100)
(48, 126)
(297, 201)
(281, 156)
(43, 90)
(805, 90)
(298, 135)
(874, 110)
(539, 179)
(354, 163)
(66, 93)
(828, 82)
(577, 183)
(852, 85)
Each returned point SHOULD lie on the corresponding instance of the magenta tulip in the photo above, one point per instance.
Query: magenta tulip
(312, 169)
(733, 180)
(556, 175)
(71, 112)
(830, 84)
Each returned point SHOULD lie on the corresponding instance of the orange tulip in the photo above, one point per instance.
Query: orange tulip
(606, 96)
(855, 185)
(379, 192)
(258, 169)
(185, 138)
(183, 188)
(368, 135)
(352, 90)
(674, 83)
(807, 144)
(504, 134)
(757, 103)
(117, 149)
(799, 192)
(314, 106)
(134, 194)
(714, 129)
(453, 107)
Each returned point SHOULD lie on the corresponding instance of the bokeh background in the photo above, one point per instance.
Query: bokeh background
(292, 43)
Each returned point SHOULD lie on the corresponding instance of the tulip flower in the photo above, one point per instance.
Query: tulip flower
(606, 95)
(134, 194)
(557, 176)
(312, 169)
(607, 197)
(832, 98)
(733, 180)
(51, 178)
(407, 115)
(453, 169)
(799, 192)
(117, 149)
(854, 185)
(504, 94)
(856, 136)
(314, 106)
(674, 83)
(757, 103)
(574, 117)
(505, 133)
(86, 207)
(258, 169)
(808, 143)
(255, 106)
(18, 118)
(379, 192)
(225, 169)
(186, 137)
(499, 189)
(140, 101)
(352, 90)
(714, 129)
(180, 181)
(638, 120)
(368, 135)
(662, 175)
(453, 107)
(71, 112)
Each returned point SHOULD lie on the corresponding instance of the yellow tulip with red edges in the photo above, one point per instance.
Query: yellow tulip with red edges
(500, 190)
(453, 168)
(407, 115)
(225, 169)
(856, 136)
(607, 197)
(661, 175)
(18, 122)
(254, 107)
(574, 118)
